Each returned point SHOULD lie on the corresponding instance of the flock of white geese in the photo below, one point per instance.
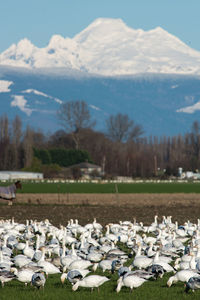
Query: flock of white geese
(32, 251)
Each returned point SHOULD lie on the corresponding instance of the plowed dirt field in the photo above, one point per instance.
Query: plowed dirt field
(143, 207)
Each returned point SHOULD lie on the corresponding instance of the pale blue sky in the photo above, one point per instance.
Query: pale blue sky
(38, 20)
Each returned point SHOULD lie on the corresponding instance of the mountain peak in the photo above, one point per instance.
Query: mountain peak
(106, 21)
(56, 41)
(102, 27)
(109, 47)
(159, 29)
(25, 47)
(25, 42)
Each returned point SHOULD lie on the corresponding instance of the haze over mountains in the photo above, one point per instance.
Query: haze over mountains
(150, 75)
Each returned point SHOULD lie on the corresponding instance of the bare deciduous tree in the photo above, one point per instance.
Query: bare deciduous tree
(121, 129)
(75, 116)
(4, 142)
(28, 147)
(16, 140)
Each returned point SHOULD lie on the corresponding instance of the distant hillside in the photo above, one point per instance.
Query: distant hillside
(162, 104)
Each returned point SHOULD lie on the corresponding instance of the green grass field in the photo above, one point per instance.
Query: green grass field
(110, 188)
(150, 290)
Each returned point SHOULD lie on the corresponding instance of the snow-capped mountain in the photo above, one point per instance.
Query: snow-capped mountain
(150, 75)
(108, 47)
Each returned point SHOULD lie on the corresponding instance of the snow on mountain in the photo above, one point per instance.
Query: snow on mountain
(36, 92)
(20, 102)
(19, 55)
(4, 86)
(108, 47)
(190, 109)
(95, 107)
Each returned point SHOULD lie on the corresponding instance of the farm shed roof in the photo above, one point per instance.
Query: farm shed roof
(7, 175)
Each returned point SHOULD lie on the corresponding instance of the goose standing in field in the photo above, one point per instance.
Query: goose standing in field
(105, 264)
(80, 264)
(21, 260)
(164, 258)
(116, 264)
(38, 280)
(141, 261)
(116, 253)
(149, 250)
(29, 252)
(183, 275)
(20, 246)
(110, 236)
(94, 257)
(185, 265)
(37, 254)
(186, 255)
(131, 281)
(24, 276)
(46, 266)
(5, 250)
(6, 276)
(92, 281)
(5, 262)
(96, 225)
(157, 270)
(66, 260)
(107, 246)
(74, 275)
(193, 284)
(148, 239)
(123, 270)
(140, 273)
(162, 263)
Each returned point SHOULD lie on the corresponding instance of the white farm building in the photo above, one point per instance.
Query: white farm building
(15, 175)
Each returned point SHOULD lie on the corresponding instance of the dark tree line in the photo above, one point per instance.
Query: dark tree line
(120, 151)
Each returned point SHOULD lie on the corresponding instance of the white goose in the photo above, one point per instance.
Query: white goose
(94, 257)
(183, 275)
(185, 265)
(5, 262)
(66, 260)
(24, 276)
(110, 236)
(5, 250)
(130, 281)
(141, 261)
(80, 264)
(29, 252)
(21, 260)
(105, 264)
(92, 281)
(162, 263)
(47, 267)
(96, 225)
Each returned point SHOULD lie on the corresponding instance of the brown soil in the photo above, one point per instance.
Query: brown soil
(106, 208)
